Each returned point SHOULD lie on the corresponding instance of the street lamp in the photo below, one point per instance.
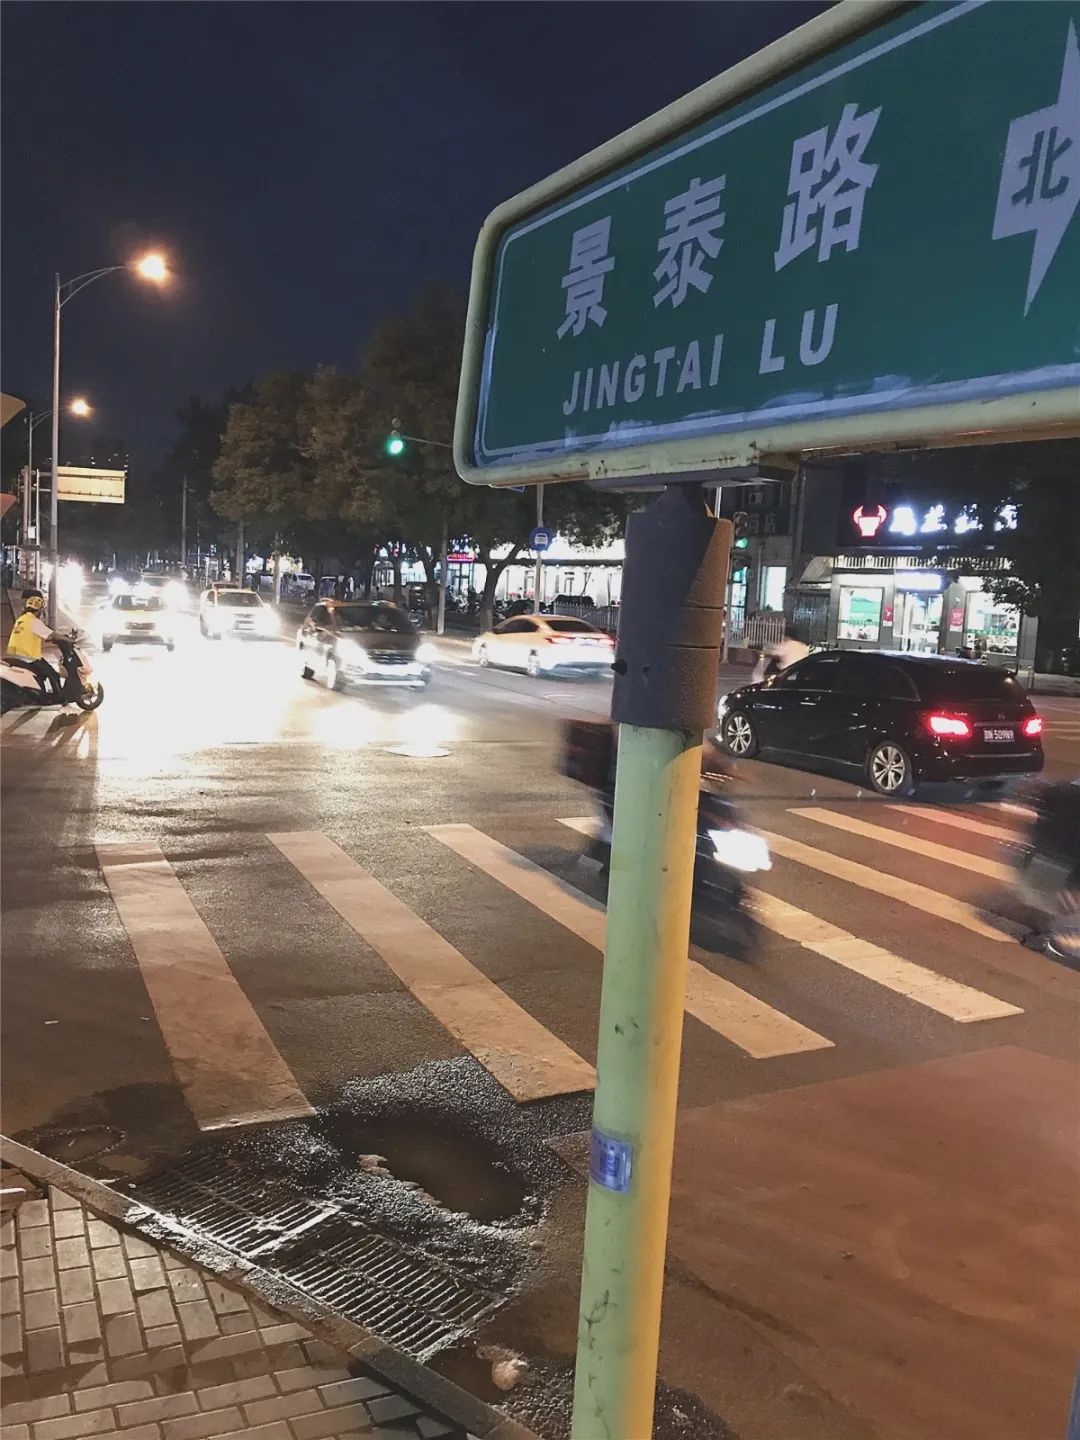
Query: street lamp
(151, 267)
(80, 407)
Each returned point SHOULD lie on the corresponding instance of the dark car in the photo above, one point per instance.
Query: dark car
(350, 641)
(896, 718)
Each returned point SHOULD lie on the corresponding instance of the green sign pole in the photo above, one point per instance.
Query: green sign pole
(664, 697)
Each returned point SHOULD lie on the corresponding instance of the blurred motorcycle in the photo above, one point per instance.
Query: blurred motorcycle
(1048, 869)
(725, 851)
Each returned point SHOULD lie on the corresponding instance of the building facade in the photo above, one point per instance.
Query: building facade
(863, 565)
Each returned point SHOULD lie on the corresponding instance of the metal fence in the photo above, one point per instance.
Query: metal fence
(604, 617)
(755, 631)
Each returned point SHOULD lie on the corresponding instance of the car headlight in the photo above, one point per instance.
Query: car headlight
(741, 850)
(427, 653)
(266, 622)
(351, 652)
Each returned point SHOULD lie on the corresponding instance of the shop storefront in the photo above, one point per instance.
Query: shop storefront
(914, 578)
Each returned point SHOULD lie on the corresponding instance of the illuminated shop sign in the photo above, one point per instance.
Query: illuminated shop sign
(912, 522)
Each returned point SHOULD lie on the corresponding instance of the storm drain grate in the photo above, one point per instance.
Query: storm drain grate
(405, 1297)
(253, 1217)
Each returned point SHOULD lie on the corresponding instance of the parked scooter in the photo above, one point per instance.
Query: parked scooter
(21, 688)
(725, 852)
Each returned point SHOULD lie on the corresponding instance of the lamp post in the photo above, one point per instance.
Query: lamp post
(150, 267)
(80, 407)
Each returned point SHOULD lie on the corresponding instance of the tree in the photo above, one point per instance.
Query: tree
(410, 372)
(190, 461)
(263, 475)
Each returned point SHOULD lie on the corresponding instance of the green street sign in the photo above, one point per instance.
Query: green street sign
(882, 244)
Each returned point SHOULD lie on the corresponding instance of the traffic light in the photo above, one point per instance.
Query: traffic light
(395, 441)
(741, 521)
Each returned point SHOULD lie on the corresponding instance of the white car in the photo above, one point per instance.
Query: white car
(545, 645)
(137, 620)
(229, 610)
(169, 589)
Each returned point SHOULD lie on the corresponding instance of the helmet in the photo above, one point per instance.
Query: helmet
(34, 600)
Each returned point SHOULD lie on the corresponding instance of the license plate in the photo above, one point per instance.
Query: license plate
(999, 735)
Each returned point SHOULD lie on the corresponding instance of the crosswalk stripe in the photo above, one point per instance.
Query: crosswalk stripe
(928, 849)
(948, 997)
(879, 882)
(228, 1067)
(524, 1056)
(937, 992)
(959, 822)
(1024, 811)
(747, 1022)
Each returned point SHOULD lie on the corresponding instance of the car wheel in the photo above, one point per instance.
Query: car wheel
(107, 645)
(202, 628)
(889, 770)
(170, 645)
(739, 736)
(333, 677)
(532, 666)
(482, 657)
(306, 672)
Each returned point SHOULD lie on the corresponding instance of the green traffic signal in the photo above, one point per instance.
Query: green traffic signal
(742, 543)
(395, 444)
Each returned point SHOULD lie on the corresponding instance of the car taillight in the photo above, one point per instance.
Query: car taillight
(559, 640)
(949, 725)
(1033, 725)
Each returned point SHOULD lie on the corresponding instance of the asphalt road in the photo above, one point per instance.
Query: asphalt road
(233, 898)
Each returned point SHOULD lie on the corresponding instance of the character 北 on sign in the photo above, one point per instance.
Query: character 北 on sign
(876, 231)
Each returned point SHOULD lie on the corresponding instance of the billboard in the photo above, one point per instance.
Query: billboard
(85, 483)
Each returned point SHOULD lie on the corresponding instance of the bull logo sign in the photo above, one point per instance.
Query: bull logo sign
(869, 522)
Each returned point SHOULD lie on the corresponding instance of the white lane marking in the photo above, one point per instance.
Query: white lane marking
(928, 849)
(949, 997)
(919, 897)
(29, 721)
(747, 1022)
(960, 822)
(937, 992)
(524, 1056)
(1023, 810)
(230, 1070)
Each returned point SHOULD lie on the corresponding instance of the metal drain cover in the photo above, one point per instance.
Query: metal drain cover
(404, 1296)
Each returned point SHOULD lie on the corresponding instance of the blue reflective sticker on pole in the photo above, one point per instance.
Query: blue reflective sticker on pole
(610, 1161)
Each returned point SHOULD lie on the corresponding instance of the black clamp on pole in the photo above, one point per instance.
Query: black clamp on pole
(671, 627)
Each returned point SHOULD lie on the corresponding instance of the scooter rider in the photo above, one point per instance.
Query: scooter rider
(28, 634)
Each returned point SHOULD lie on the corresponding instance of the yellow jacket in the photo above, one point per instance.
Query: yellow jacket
(27, 634)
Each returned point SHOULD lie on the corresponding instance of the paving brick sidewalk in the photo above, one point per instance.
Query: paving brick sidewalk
(103, 1335)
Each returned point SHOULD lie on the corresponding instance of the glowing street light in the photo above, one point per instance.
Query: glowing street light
(80, 406)
(151, 267)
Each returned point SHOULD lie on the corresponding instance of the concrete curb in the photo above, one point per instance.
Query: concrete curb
(389, 1363)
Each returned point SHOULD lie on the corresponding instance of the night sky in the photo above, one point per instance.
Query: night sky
(305, 166)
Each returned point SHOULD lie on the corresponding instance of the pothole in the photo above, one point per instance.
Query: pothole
(461, 1172)
(75, 1145)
